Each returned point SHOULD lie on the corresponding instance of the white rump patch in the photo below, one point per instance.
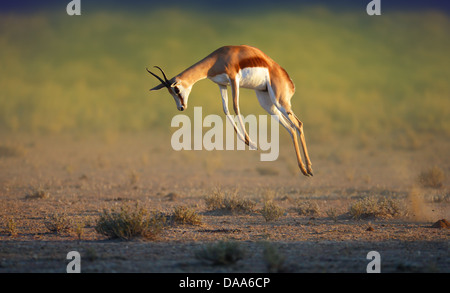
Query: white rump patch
(254, 78)
(251, 77)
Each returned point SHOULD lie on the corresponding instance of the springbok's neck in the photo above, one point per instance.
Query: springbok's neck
(196, 72)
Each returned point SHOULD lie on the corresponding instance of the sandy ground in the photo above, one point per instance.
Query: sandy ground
(83, 175)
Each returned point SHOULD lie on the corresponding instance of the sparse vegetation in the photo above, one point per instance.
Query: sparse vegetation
(229, 202)
(11, 227)
(221, 253)
(332, 214)
(307, 208)
(128, 223)
(376, 207)
(275, 261)
(440, 198)
(185, 215)
(91, 254)
(267, 171)
(79, 229)
(134, 177)
(11, 151)
(269, 194)
(37, 194)
(58, 223)
(433, 177)
(171, 196)
(271, 211)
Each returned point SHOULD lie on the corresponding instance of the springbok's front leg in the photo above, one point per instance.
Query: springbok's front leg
(234, 83)
(224, 94)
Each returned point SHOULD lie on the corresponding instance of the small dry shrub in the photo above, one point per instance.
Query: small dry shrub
(267, 171)
(332, 214)
(11, 151)
(271, 211)
(307, 208)
(37, 194)
(221, 253)
(373, 207)
(229, 203)
(133, 177)
(11, 227)
(433, 177)
(127, 224)
(185, 215)
(215, 201)
(440, 198)
(91, 254)
(58, 223)
(79, 229)
(273, 258)
(270, 194)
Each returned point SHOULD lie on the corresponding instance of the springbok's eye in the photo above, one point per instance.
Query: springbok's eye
(176, 90)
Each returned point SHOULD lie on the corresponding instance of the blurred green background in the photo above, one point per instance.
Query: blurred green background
(379, 76)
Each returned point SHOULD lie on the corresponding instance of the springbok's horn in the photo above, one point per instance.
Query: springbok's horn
(167, 81)
(162, 81)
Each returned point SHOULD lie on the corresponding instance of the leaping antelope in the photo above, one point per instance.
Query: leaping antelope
(246, 67)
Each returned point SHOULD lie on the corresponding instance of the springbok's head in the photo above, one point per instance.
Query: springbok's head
(179, 91)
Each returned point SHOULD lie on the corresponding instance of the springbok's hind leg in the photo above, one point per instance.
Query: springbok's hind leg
(308, 171)
(266, 102)
(284, 107)
(299, 126)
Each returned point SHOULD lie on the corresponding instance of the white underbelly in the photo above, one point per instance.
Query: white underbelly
(221, 79)
(250, 77)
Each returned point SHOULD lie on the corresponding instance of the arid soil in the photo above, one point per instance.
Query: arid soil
(82, 175)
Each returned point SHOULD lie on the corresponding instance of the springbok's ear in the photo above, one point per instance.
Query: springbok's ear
(158, 87)
(175, 83)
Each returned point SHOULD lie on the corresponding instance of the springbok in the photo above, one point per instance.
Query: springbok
(247, 67)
